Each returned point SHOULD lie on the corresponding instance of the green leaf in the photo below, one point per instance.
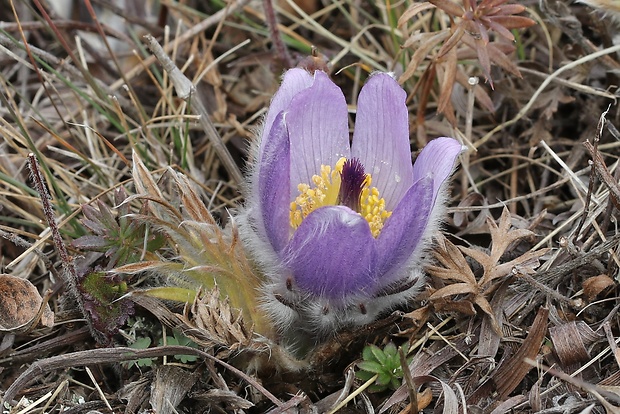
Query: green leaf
(378, 354)
(367, 353)
(371, 366)
(141, 343)
(393, 367)
(180, 339)
(376, 388)
(186, 358)
(383, 379)
(364, 375)
(177, 294)
(395, 383)
(390, 351)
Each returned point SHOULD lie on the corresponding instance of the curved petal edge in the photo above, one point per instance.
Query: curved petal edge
(332, 254)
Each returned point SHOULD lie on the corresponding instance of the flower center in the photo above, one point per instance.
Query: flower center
(348, 185)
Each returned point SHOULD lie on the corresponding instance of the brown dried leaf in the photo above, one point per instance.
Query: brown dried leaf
(482, 50)
(447, 81)
(501, 238)
(593, 286)
(526, 264)
(449, 7)
(491, 52)
(21, 304)
(485, 306)
(523, 265)
(419, 316)
(510, 374)
(191, 201)
(499, 57)
(414, 9)
(170, 387)
(454, 289)
(424, 399)
(455, 266)
(447, 305)
(451, 43)
(211, 320)
(430, 40)
(514, 22)
(568, 343)
(482, 97)
(143, 180)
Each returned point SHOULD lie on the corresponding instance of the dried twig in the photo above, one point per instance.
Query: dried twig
(603, 173)
(69, 273)
(276, 36)
(115, 355)
(599, 168)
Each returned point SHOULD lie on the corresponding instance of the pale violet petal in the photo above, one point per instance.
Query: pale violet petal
(437, 159)
(332, 254)
(381, 137)
(404, 229)
(293, 82)
(273, 185)
(318, 130)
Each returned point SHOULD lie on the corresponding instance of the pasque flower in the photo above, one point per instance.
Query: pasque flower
(340, 229)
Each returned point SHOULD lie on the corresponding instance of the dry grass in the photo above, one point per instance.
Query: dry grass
(521, 309)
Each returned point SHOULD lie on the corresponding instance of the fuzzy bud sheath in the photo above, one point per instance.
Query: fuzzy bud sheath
(338, 230)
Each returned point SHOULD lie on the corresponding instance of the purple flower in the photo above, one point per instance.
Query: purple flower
(340, 229)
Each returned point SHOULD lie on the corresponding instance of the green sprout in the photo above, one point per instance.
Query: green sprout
(384, 365)
(141, 343)
(144, 342)
(182, 340)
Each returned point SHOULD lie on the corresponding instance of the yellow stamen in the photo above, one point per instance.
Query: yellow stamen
(325, 192)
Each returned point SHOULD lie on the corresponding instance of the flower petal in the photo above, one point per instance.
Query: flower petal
(293, 82)
(332, 254)
(318, 129)
(437, 159)
(404, 230)
(273, 184)
(381, 137)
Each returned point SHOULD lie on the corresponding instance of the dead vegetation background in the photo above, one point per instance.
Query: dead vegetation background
(521, 308)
